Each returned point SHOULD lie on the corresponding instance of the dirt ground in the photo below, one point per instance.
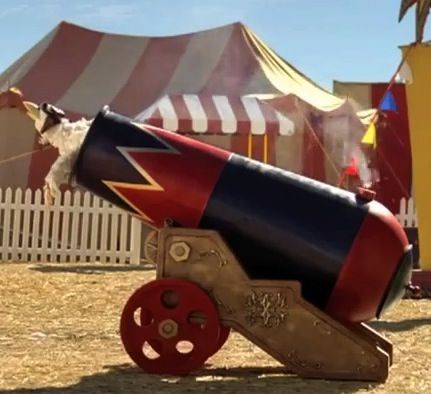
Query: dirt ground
(59, 334)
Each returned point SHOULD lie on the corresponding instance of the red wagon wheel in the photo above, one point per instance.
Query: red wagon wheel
(158, 315)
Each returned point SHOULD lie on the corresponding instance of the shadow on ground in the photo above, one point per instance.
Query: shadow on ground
(131, 380)
(399, 326)
(90, 268)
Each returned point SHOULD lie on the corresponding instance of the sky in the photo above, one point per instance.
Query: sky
(345, 40)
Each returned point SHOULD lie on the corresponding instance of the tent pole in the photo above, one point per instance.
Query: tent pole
(249, 145)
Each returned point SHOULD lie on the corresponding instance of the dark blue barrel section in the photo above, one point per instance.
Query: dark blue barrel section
(284, 226)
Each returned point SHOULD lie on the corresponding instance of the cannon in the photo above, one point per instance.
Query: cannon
(296, 266)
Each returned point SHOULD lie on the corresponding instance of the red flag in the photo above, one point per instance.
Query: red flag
(352, 168)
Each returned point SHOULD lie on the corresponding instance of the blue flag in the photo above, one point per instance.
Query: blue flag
(388, 103)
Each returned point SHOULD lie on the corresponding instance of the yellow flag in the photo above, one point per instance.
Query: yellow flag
(370, 137)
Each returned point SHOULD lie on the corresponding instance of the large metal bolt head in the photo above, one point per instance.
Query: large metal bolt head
(168, 328)
(180, 251)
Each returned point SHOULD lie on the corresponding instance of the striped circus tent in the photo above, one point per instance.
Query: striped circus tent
(81, 70)
(214, 75)
(243, 124)
(216, 114)
(282, 130)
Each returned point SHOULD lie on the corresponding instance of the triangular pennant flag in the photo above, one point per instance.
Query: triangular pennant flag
(388, 103)
(370, 137)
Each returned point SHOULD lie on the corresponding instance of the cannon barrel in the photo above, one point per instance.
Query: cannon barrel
(350, 254)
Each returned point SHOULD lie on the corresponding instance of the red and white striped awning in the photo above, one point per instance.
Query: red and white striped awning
(190, 113)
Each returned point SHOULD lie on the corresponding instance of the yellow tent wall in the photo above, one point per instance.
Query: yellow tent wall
(418, 59)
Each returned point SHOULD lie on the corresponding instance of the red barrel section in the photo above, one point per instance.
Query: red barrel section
(365, 284)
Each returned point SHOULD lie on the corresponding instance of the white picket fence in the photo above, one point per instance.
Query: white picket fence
(407, 216)
(82, 227)
(79, 227)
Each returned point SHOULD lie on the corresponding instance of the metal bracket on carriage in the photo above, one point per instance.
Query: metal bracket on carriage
(272, 314)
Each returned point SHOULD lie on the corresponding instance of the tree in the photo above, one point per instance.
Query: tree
(422, 11)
